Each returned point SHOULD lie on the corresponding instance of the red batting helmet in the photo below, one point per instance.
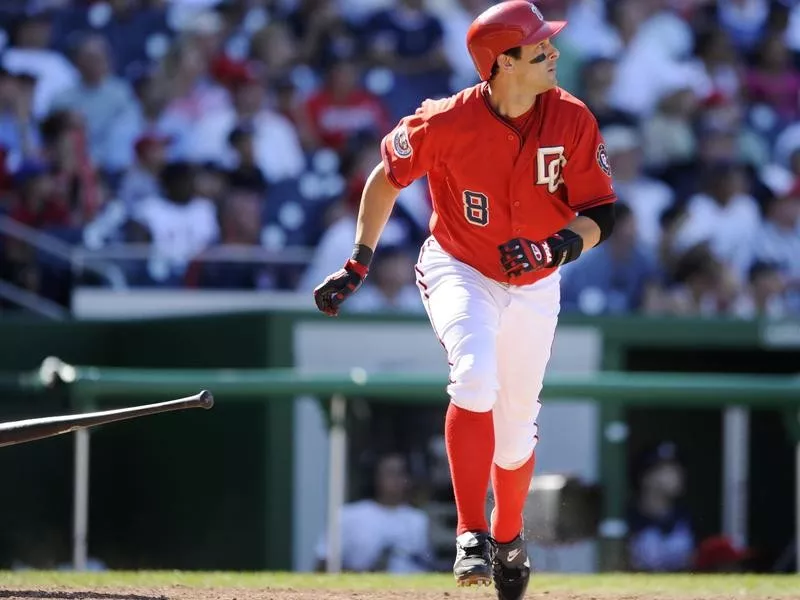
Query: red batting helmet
(504, 26)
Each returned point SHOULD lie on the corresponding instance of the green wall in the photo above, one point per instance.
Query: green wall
(213, 490)
(178, 490)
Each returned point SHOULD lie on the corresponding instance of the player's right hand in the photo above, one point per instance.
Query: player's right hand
(330, 294)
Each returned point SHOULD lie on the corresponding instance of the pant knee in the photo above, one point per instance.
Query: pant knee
(473, 383)
(514, 447)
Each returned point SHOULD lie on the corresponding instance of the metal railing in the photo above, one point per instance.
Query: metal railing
(32, 302)
(111, 275)
(107, 262)
(241, 253)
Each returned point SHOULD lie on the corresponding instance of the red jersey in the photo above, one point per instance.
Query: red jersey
(489, 183)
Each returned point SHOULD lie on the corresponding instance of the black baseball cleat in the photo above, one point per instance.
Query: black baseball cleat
(474, 554)
(511, 569)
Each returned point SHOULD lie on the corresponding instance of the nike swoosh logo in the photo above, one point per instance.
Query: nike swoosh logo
(512, 555)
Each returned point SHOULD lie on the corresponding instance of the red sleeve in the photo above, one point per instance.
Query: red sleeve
(587, 174)
(408, 150)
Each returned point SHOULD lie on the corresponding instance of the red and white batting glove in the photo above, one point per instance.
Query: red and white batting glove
(521, 255)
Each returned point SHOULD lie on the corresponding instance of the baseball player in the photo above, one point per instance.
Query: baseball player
(520, 184)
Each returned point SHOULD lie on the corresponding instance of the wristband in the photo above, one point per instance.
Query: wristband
(566, 246)
(362, 254)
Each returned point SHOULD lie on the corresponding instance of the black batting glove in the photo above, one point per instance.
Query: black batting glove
(338, 286)
(330, 294)
(521, 255)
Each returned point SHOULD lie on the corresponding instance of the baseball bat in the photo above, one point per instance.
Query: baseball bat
(17, 432)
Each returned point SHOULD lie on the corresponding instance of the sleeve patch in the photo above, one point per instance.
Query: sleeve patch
(602, 159)
(400, 143)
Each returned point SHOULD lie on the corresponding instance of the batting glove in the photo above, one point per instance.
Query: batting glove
(338, 286)
(521, 255)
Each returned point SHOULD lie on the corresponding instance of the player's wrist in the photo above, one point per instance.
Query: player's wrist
(356, 267)
(362, 255)
(562, 247)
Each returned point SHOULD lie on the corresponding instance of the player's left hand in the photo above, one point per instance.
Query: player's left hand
(520, 256)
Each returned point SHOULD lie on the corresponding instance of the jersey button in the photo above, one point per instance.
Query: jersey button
(510, 138)
(516, 203)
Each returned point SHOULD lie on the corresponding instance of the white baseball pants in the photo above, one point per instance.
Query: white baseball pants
(498, 340)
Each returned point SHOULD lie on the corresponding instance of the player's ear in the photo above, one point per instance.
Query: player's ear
(505, 62)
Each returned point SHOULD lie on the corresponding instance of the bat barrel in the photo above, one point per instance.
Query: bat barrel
(17, 432)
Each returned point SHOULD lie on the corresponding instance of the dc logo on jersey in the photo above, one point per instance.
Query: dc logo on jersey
(402, 147)
(535, 10)
(549, 162)
(602, 159)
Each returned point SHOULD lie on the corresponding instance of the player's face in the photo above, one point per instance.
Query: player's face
(537, 66)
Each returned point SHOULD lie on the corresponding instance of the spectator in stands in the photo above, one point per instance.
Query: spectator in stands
(178, 225)
(745, 21)
(19, 132)
(700, 284)
(149, 117)
(383, 532)
(100, 96)
(240, 226)
(391, 287)
(407, 39)
(65, 150)
(206, 32)
(661, 533)
(211, 181)
(290, 103)
(779, 240)
(274, 47)
(717, 60)
(30, 52)
(669, 136)
(619, 279)
(646, 196)
(729, 117)
(456, 17)
(277, 146)
(37, 203)
(193, 89)
(595, 78)
(725, 216)
(342, 108)
(322, 33)
(774, 80)
(142, 179)
(641, 49)
(245, 173)
(764, 295)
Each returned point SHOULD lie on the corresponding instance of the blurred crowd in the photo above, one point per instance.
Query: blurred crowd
(223, 144)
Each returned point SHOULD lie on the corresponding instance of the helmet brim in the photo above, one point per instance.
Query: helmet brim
(547, 30)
